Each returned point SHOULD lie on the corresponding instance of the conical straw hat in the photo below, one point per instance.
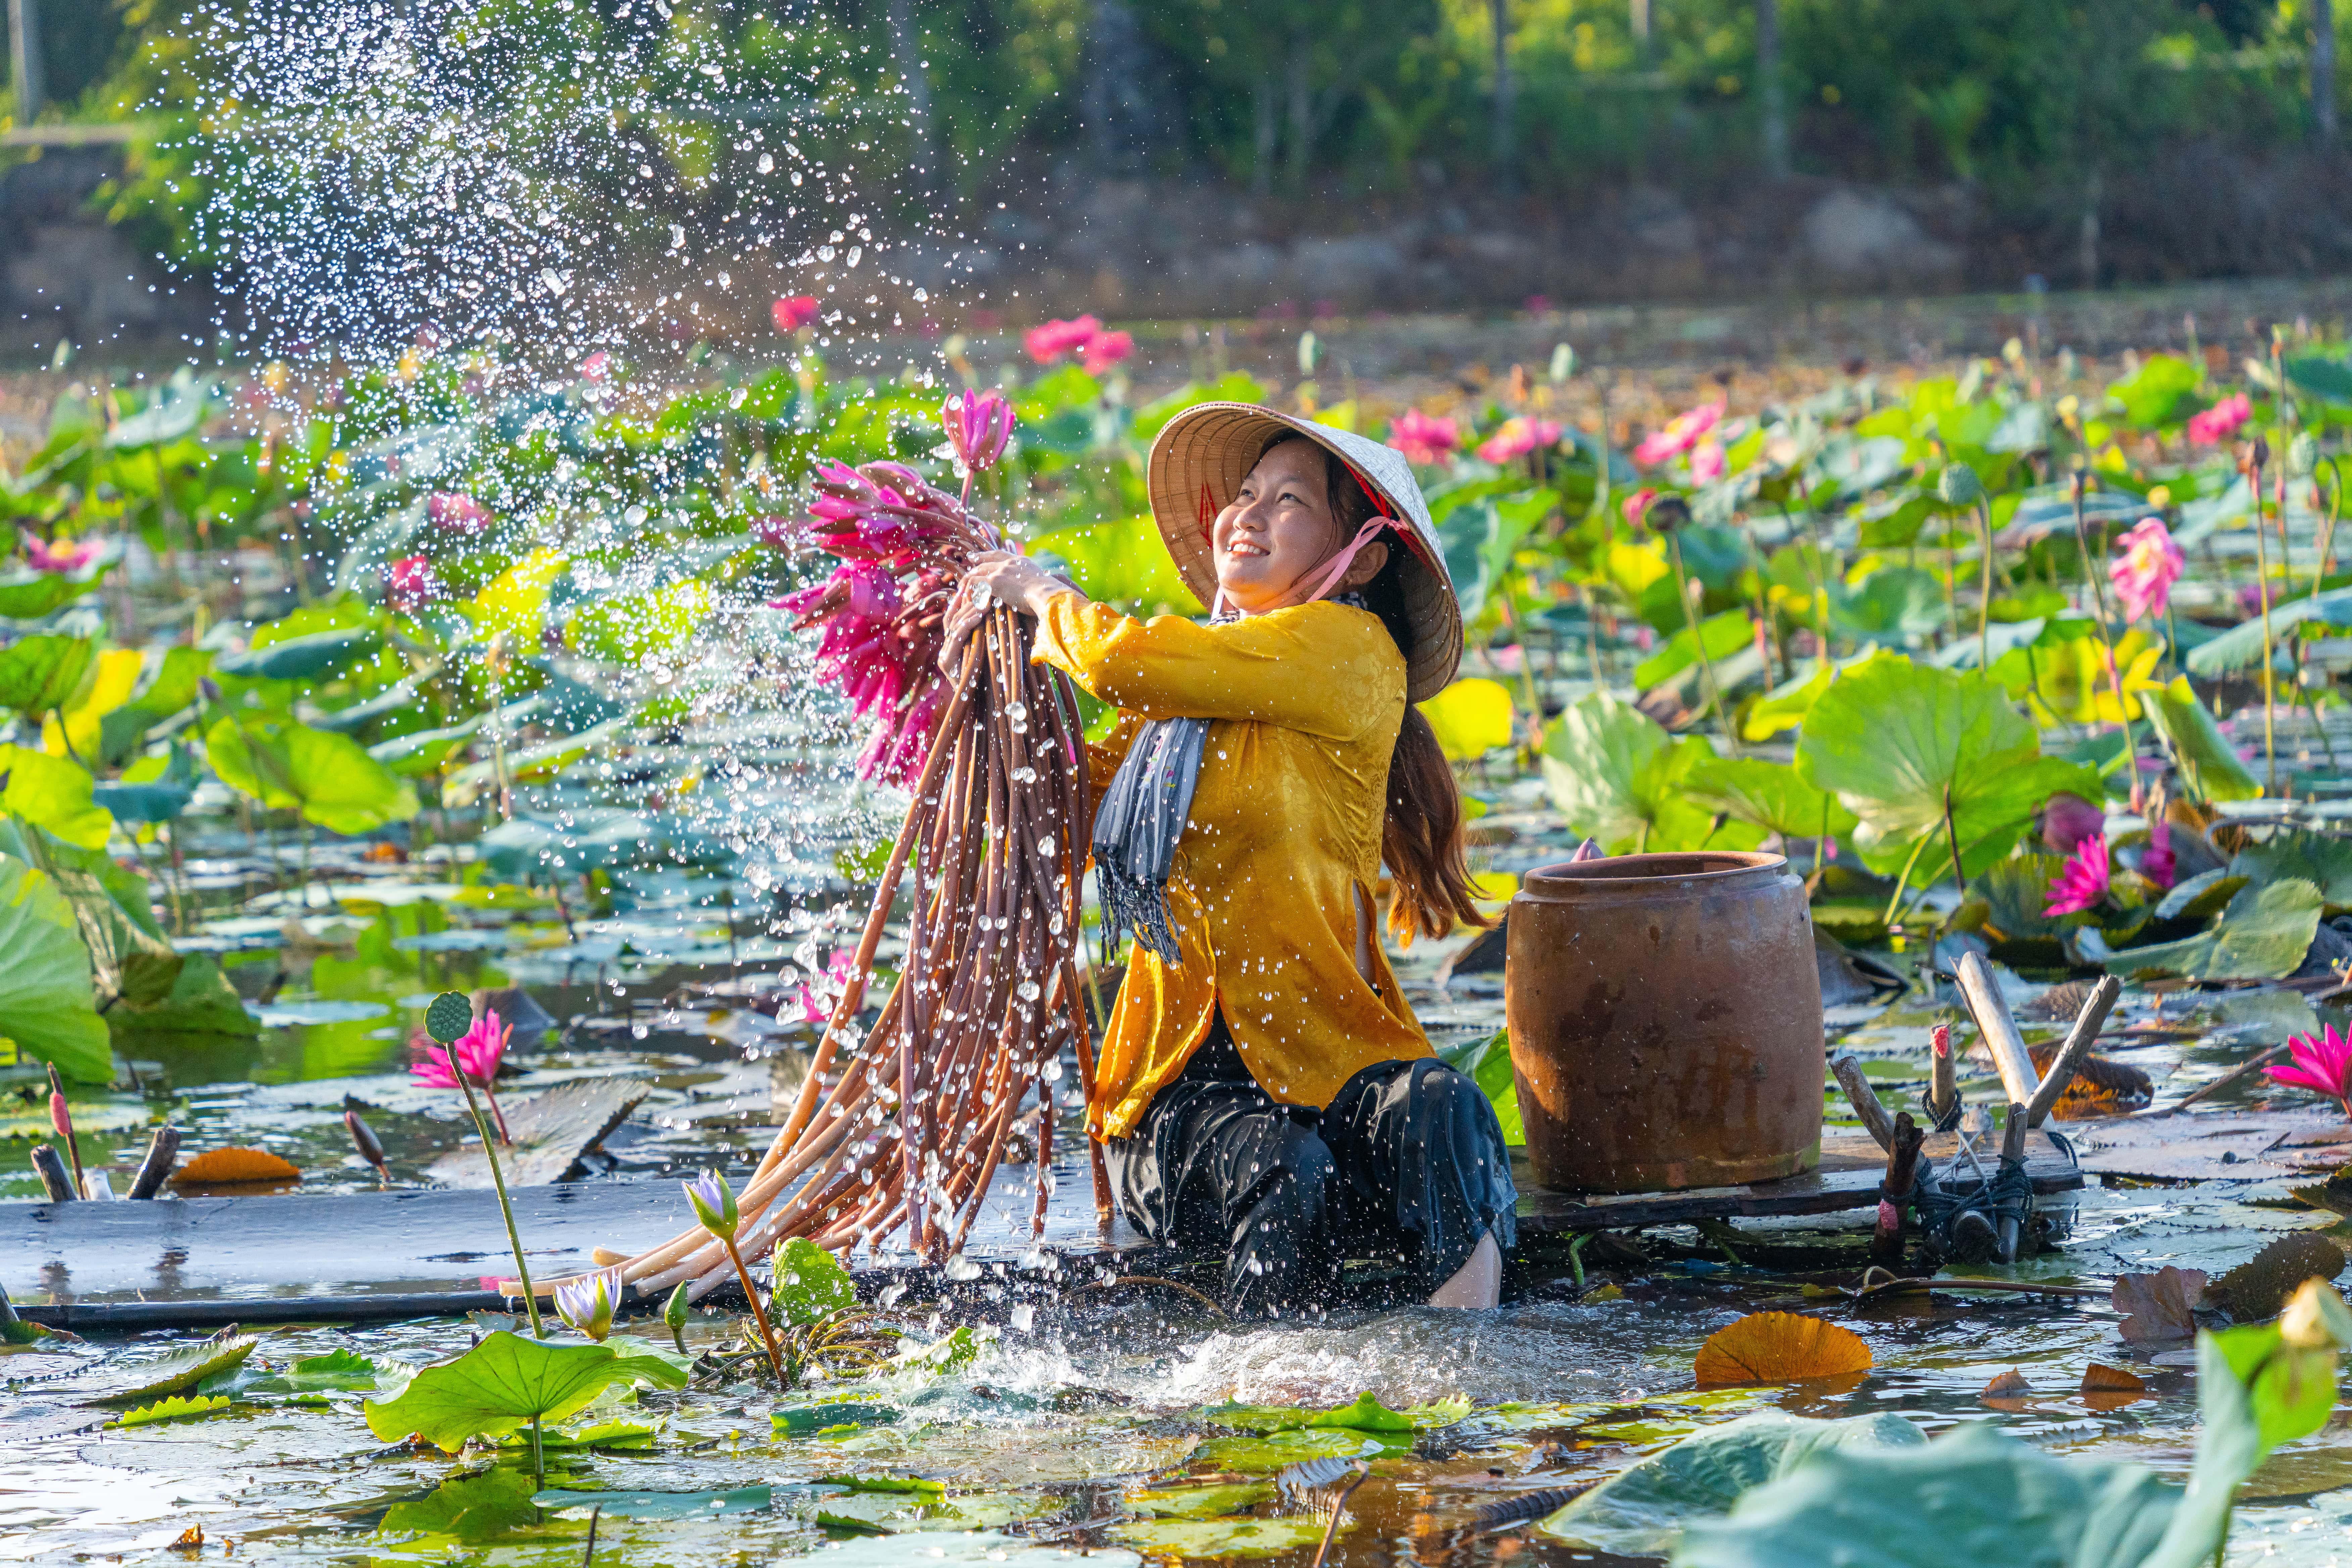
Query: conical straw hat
(1216, 444)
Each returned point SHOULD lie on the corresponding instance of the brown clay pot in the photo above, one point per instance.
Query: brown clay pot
(1666, 1015)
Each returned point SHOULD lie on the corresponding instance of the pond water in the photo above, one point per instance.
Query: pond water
(1086, 1407)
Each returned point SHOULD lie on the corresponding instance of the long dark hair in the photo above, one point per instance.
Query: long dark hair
(1420, 835)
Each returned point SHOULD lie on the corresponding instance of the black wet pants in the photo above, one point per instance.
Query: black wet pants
(1407, 1165)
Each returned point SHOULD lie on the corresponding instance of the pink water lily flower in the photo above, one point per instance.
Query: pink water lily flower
(478, 1051)
(1051, 341)
(2157, 862)
(453, 512)
(597, 368)
(1422, 438)
(1708, 463)
(2082, 881)
(978, 424)
(794, 311)
(65, 555)
(816, 1000)
(1679, 437)
(1104, 350)
(1637, 506)
(2147, 570)
(409, 585)
(1516, 436)
(2219, 423)
(2322, 1062)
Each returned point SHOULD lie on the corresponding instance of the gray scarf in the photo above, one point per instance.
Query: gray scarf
(1143, 815)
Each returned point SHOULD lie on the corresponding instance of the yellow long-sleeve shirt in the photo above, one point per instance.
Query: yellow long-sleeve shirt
(1285, 832)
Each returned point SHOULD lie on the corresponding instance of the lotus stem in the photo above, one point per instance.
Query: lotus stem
(2262, 600)
(1984, 606)
(758, 1314)
(1683, 586)
(505, 1208)
(2107, 638)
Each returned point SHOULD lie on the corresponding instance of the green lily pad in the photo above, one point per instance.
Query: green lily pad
(659, 1505)
(810, 1283)
(1244, 1536)
(1272, 1452)
(503, 1383)
(1200, 1502)
(172, 1409)
(800, 1420)
(469, 1508)
(2262, 935)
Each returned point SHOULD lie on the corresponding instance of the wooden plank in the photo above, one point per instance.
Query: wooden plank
(1847, 1178)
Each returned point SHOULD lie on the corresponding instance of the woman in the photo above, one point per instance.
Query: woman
(1262, 1088)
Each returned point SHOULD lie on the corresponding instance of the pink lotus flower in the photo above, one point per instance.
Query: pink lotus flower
(2082, 881)
(597, 368)
(453, 512)
(1708, 463)
(817, 1000)
(2221, 422)
(1678, 436)
(478, 1051)
(1637, 506)
(2323, 1063)
(2147, 570)
(2067, 820)
(978, 425)
(1105, 350)
(1423, 439)
(2156, 861)
(65, 555)
(795, 312)
(409, 585)
(1516, 436)
(1051, 341)
(882, 512)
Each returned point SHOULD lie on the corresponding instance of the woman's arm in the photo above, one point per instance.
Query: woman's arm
(1304, 668)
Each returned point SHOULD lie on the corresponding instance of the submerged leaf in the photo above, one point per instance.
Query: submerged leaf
(2159, 1307)
(1225, 1538)
(660, 1505)
(1779, 1347)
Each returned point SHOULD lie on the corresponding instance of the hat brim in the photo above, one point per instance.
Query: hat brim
(1215, 445)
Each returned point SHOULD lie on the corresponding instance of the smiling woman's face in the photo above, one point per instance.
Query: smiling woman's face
(1277, 530)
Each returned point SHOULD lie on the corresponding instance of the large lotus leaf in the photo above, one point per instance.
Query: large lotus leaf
(1121, 563)
(175, 412)
(591, 837)
(2262, 935)
(120, 731)
(41, 673)
(2319, 858)
(54, 793)
(1618, 778)
(1893, 604)
(2208, 764)
(1640, 1511)
(27, 595)
(73, 730)
(1773, 796)
(329, 778)
(1786, 705)
(1722, 635)
(2162, 390)
(300, 658)
(504, 1383)
(1977, 1495)
(2241, 645)
(153, 789)
(1901, 744)
(1471, 717)
(47, 1004)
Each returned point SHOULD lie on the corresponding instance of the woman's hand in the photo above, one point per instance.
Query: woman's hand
(1014, 581)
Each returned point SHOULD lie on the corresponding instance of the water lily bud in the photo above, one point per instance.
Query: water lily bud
(1958, 485)
(978, 424)
(2302, 455)
(2316, 1318)
(364, 1140)
(714, 1204)
(2258, 452)
(209, 687)
(674, 1309)
(1668, 513)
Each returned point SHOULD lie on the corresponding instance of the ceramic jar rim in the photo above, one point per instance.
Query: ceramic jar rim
(1634, 875)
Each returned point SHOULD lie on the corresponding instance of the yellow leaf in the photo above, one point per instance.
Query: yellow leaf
(1471, 717)
(110, 687)
(1633, 567)
(230, 1167)
(1779, 1347)
(515, 601)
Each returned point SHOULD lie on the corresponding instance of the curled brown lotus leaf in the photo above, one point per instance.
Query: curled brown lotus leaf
(2161, 1306)
(2259, 1288)
(1779, 1347)
(232, 1167)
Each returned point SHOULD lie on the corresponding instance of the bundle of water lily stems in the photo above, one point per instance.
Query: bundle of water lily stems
(910, 1131)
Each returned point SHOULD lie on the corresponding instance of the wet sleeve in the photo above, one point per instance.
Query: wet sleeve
(1324, 670)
